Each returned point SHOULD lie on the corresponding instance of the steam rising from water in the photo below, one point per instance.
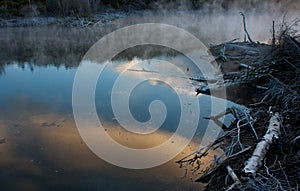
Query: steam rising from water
(215, 22)
(217, 27)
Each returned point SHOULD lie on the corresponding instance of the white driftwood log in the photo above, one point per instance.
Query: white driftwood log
(273, 133)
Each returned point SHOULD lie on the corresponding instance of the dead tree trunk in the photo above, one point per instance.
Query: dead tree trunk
(273, 133)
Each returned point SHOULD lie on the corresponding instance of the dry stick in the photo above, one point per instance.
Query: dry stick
(205, 177)
(245, 28)
(222, 53)
(286, 178)
(295, 139)
(273, 132)
(205, 148)
(246, 66)
(233, 176)
(273, 39)
(200, 153)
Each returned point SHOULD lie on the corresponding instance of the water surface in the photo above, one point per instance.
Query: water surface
(44, 151)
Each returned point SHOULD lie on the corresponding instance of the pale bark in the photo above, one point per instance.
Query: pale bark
(233, 176)
(273, 133)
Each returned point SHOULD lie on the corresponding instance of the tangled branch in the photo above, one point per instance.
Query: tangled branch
(271, 75)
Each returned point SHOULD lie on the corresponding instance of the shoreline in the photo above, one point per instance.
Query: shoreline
(100, 18)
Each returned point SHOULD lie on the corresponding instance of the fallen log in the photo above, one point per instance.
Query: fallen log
(236, 79)
(268, 77)
(272, 134)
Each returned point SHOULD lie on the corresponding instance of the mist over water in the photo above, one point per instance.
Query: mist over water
(214, 23)
(43, 149)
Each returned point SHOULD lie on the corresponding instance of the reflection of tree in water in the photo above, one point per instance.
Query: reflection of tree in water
(2, 70)
(41, 46)
(60, 46)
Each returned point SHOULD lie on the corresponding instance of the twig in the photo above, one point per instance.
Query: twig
(245, 28)
(285, 176)
(210, 173)
(295, 139)
(246, 66)
(233, 176)
(273, 39)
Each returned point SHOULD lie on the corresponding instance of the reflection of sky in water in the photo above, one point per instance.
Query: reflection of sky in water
(140, 100)
(49, 85)
(44, 145)
(148, 91)
(53, 87)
